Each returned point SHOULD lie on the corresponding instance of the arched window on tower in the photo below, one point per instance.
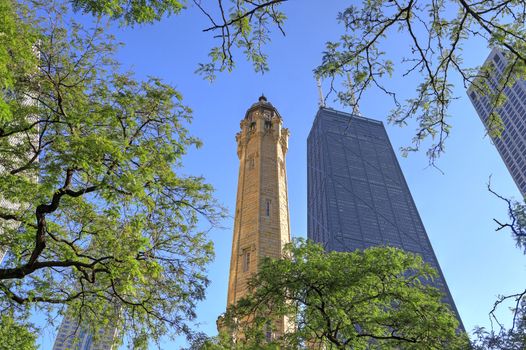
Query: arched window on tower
(251, 162)
(267, 208)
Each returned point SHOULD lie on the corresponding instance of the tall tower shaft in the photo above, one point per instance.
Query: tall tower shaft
(261, 224)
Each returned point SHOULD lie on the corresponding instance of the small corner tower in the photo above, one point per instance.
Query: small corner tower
(261, 224)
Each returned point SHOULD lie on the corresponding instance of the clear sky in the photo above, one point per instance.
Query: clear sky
(456, 208)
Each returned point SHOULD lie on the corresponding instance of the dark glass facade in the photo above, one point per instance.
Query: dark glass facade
(357, 194)
(512, 143)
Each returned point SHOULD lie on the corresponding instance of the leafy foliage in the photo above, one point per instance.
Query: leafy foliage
(519, 224)
(379, 298)
(431, 36)
(243, 25)
(16, 336)
(130, 12)
(17, 56)
(247, 26)
(98, 217)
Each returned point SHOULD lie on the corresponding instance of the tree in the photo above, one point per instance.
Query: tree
(243, 25)
(16, 336)
(435, 33)
(508, 339)
(96, 217)
(16, 50)
(99, 217)
(514, 337)
(379, 298)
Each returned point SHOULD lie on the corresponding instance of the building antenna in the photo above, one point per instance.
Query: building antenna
(321, 102)
(355, 108)
(354, 103)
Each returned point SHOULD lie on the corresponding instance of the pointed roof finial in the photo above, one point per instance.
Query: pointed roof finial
(262, 98)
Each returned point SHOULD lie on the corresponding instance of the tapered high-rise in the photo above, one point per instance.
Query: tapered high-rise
(261, 224)
(511, 145)
(357, 194)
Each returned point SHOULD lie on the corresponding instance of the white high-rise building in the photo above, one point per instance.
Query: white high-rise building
(512, 143)
(72, 336)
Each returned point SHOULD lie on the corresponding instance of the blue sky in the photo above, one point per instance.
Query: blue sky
(456, 208)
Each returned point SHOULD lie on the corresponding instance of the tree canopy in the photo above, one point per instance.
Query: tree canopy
(95, 213)
(379, 298)
(431, 37)
(17, 57)
(16, 335)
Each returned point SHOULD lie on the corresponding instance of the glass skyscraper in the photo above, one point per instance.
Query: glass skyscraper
(73, 336)
(512, 143)
(357, 194)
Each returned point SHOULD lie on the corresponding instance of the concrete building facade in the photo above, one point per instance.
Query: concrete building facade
(261, 223)
(72, 336)
(511, 145)
(357, 193)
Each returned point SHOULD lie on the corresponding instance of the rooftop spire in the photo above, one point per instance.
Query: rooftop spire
(354, 102)
(321, 102)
